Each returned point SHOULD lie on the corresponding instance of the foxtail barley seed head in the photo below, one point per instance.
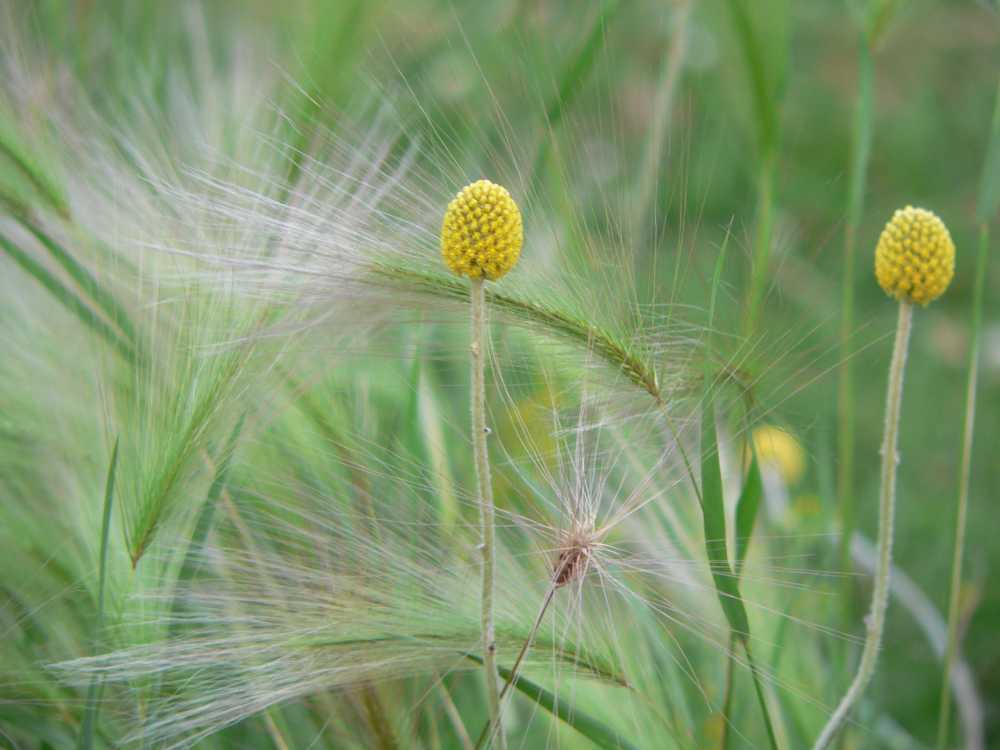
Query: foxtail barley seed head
(915, 257)
(573, 560)
(779, 449)
(481, 235)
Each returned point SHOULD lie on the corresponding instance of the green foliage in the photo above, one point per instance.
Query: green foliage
(218, 232)
(86, 740)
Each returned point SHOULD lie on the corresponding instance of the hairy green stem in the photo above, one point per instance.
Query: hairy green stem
(487, 513)
(875, 621)
(951, 650)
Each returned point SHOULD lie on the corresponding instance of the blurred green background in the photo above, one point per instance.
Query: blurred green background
(454, 66)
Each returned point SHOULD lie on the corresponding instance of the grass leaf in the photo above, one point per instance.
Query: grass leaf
(989, 186)
(714, 520)
(27, 166)
(104, 300)
(597, 732)
(86, 738)
(68, 298)
(207, 512)
(746, 511)
(573, 78)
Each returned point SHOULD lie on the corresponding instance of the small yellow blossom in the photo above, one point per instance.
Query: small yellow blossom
(915, 257)
(481, 235)
(779, 449)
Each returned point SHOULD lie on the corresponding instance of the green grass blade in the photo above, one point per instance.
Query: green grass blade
(765, 88)
(861, 141)
(336, 39)
(712, 505)
(756, 66)
(989, 186)
(86, 738)
(207, 512)
(27, 166)
(69, 299)
(574, 76)
(880, 17)
(746, 511)
(714, 520)
(104, 300)
(761, 699)
(989, 197)
(595, 731)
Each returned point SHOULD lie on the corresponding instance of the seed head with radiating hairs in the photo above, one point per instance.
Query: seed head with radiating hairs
(915, 257)
(481, 235)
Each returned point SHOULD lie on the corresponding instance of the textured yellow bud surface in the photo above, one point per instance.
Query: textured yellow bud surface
(915, 257)
(481, 235)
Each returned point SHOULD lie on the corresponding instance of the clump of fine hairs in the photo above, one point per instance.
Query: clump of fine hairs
(481, 375)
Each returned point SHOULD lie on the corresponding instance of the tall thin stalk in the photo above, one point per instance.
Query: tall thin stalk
(989, 198)
(762, 240)
(861, 140)
(968, 428)
(875, 622)
(765, 87)
(486, 509)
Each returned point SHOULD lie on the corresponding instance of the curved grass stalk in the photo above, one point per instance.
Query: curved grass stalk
(617, 354)
(875, 622)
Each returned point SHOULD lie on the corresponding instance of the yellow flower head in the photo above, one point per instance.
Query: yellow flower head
(779, 449)
(481, 235)
(915, 257)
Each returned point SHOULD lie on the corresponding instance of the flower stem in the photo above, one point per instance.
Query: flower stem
(875, 622)
(479, 433)
(951, 650)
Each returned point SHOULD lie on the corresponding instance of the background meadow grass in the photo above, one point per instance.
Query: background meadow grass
(638, 138)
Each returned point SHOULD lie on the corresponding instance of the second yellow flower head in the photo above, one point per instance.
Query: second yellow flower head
(915, 257)
(482, 234)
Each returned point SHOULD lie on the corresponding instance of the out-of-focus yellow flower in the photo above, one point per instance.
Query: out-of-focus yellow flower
(482, 233)
(779, 449)
(807, 505)
(915, 257)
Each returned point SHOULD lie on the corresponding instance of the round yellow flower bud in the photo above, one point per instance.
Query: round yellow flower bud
(779, 449)
(481, 235)
(915, 257)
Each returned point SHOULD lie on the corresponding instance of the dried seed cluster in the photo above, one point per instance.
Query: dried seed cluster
(572, 563)
(482, 233)
(915, 257)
